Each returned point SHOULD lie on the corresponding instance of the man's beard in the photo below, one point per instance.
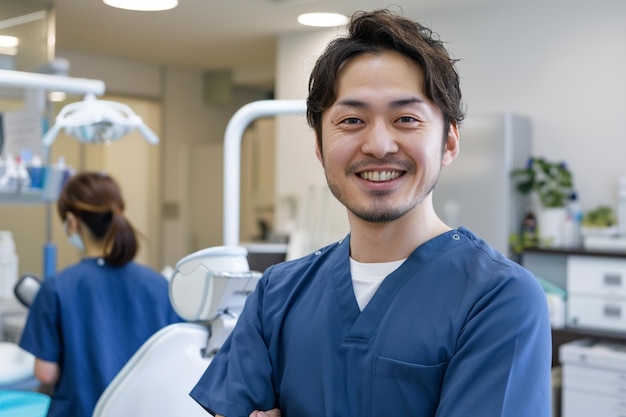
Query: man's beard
(381, 213)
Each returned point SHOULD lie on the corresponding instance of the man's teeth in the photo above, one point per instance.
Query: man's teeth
(379, 175)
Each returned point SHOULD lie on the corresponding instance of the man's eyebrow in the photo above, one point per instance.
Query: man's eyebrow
(348, 102)
(405, 102)
(393, 105)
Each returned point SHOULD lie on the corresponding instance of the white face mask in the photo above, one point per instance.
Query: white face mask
(75, 239)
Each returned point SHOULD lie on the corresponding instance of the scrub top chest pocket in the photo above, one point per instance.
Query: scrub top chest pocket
(402, 388)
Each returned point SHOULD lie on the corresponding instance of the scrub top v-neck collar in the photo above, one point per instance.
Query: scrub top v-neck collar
(361, 325)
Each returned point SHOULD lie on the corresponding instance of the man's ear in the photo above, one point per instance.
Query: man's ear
(451, 149)
(318, 151)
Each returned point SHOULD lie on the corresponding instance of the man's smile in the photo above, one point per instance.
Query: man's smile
(380, 176)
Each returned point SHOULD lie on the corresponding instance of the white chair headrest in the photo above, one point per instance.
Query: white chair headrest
(211, 281)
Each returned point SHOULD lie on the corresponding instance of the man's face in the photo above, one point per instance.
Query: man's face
(382, 138)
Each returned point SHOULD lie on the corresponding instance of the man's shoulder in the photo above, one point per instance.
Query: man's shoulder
(312, 257)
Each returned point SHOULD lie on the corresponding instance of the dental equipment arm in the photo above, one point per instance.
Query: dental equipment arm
(232, 155)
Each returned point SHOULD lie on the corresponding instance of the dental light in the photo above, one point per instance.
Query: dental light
(98, 121)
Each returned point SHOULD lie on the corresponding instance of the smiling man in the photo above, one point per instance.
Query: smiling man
(405, 316)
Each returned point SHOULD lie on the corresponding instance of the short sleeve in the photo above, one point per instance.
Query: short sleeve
(502, 365)
(42, 334)
(239, 378)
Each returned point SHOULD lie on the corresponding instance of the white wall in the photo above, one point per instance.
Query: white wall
(122, 76)
(562, 64)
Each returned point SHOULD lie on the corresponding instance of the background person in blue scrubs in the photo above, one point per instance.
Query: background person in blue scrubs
(405, 316)
(89, 319)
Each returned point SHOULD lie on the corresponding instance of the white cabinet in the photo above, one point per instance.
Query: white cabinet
(596, 289)
(594, 379)
(593, 376)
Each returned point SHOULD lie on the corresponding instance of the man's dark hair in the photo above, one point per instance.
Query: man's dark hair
(376, 32)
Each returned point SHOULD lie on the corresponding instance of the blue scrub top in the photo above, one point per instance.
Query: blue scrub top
(456, 330)
(90, 319)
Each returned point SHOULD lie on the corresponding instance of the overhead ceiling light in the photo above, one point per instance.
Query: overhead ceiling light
(142, 5)
(322, 19)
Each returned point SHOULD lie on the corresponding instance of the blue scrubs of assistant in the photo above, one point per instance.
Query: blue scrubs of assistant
(457, 330)
(90, 319)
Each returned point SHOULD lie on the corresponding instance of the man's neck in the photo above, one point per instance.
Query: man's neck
(391, 241)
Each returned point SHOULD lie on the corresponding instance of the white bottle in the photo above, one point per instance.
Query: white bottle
(8, 264)
(23, 179)
(9, 181)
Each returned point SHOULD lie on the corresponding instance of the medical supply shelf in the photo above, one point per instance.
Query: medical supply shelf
(28, 196)
(552, 264)
(595, 284)
(50, 185)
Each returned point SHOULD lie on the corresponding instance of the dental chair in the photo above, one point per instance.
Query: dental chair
(208, 289)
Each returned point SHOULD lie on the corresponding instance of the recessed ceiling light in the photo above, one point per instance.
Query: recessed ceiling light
(143, 5)
(322, 19)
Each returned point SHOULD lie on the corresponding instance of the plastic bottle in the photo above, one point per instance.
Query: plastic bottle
(36, 172)
(573, 222)
(23, 179)
(529, 235)
(9, 181)
(56, 176)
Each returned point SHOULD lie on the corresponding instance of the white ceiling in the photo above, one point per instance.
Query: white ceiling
(203, 34)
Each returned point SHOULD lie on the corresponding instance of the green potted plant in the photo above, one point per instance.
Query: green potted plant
(551, 181)
(600, 221)
(552, 184)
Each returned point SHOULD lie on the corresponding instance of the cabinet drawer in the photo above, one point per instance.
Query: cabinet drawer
(578, 403)
(596, 275)
(595, 380)
(596, 313)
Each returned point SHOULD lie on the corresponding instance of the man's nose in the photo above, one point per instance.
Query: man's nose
(379, 141)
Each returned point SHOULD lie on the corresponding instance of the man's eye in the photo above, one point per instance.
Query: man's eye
(407, 119)
(351, 121)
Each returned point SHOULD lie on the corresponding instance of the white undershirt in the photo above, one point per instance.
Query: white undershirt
(367, 277)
